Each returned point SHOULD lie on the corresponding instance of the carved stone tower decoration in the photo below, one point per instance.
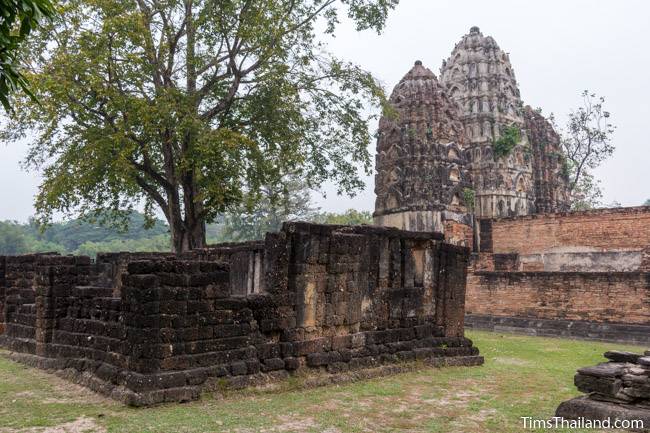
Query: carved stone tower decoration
(421, 169)
(478, 76)
(549, 164)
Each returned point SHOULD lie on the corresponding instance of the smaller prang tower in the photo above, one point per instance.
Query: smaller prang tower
(478, 77)
(549, 164)
(421, 169)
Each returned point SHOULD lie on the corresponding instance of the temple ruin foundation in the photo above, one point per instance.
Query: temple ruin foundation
(152, 328)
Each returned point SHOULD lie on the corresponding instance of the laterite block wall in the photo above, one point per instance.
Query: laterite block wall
(151, 328)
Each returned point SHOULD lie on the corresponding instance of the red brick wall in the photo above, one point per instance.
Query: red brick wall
(622, 297)
(645, 261)
(606, 229)
(458, 233)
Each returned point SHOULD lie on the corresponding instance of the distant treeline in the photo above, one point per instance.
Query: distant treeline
(85, 238)
(81, 237)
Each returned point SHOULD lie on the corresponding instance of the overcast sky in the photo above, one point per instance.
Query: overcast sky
(557, 49)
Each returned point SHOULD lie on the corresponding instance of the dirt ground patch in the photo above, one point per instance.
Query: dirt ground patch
(80, 425)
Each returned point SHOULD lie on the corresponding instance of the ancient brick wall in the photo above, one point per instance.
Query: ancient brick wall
(579, 274)
(459, 233)
(365, 294)
(19, 310)
(599, 229)
(151, 328)
(599, 297)
(610, 306)
(246, 260)
(183, 326)
(645, 260)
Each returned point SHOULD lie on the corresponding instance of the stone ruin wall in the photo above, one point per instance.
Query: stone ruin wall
(3, 283)
(580, 274)
(150, 328)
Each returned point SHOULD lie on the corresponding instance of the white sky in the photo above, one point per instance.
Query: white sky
(557, 48)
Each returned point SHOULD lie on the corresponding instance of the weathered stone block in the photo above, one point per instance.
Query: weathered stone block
(238, 368)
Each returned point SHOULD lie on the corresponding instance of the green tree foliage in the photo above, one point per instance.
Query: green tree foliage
(246, 227)
(469, 198)
(147, 244)
(12, 238)
(72, 234)
(83, 238)
(80, 237)
(288, 202)
(647, 202)
(510, 137)
(614, 204)
(587, 193)
(17, 20)
(349, 217)
(193, 107)
(587, 142)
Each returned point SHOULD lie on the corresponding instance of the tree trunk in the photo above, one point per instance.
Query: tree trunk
(184, 239)
(187, 231)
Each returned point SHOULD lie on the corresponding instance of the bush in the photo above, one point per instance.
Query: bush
(510, 137)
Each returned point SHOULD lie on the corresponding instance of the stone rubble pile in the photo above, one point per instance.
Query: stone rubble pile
(615, 390)
(624, 379)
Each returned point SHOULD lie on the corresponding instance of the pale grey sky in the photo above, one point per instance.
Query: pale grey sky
(557, 48)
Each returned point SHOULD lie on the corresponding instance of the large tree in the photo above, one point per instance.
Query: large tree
(191, 106)
(17, 19)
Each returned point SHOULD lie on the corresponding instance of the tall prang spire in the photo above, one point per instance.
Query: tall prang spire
(479, 78)
(420, 164)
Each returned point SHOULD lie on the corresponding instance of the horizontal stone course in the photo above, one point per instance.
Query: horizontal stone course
(584, 304)
(602, 331)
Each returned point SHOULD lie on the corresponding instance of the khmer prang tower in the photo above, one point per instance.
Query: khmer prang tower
(437, 150)
(421, 168)
(478, 76)
(549, 164)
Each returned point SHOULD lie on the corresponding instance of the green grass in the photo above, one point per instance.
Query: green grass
(522, 376)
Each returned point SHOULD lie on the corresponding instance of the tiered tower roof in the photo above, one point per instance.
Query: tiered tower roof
(420, 165)
(479, 77)
(447, 136)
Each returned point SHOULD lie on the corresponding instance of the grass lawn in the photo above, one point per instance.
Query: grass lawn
(522, 376)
